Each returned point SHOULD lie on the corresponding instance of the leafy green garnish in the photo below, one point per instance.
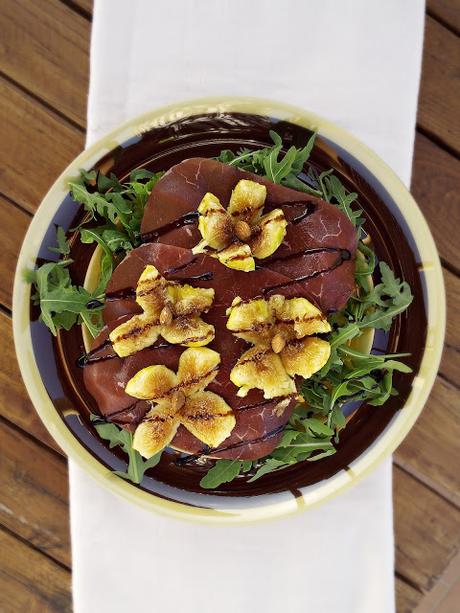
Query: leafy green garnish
(124, 439)
(223, 471)
(349, 375)
(63, 246)
(120, 207)
(61, 303)
(267, 162)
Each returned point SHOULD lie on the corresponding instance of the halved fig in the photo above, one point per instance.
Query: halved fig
(306, 356)
(170, 310)
(302, 315)
(156, 431)
(188, 300)
(237, 256)
(197, 368)
(263, 369)
(214, 224)
(251, 320)
(155, 383)
(208, 417)
(181, 399)
(260, 320)
(188, 331)
(151, 293)
(268, 234)
(231, 234)
(247, 201)
(134, 335)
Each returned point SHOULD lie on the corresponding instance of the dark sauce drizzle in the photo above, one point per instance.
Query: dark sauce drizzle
(94, 304)
(184, 220)
(92, 356)
(344, 255)
(208, 451)
(192, 216)
(310, 208)
(125, 293)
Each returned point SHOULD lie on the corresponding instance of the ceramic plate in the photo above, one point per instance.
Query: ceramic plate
(158, 140)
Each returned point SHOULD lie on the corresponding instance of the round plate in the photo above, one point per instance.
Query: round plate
(157, 140)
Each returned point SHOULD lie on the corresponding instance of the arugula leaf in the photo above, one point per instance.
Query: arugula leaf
(266, 162)
(120, 207)
(349, 375)
(269, 465)
(62, 304)
(223, 471)
(63, 246)
(124, 439)
(387, 300)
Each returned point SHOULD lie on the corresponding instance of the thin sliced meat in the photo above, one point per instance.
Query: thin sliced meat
(320, 244)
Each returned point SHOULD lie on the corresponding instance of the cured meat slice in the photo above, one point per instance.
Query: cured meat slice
(320, 243)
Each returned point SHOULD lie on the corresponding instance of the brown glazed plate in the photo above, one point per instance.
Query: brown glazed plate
(202, 128)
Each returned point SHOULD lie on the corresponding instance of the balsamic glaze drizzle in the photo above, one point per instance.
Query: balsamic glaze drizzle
(94, 304)
(91, 357)
(344, 255)
(310, 208)
(208, 451)
(184, 220)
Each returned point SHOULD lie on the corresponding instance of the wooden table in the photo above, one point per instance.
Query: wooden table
(43, 85)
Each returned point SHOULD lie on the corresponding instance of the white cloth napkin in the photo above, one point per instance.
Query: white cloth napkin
(356, 62)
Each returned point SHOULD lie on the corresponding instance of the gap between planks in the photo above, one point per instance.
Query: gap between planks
(36, 98)
(30, 545)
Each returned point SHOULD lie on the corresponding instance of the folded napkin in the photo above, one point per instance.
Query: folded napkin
(356, 62)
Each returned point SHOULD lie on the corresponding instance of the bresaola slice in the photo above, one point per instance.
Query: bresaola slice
(315, 261)
(259, 421)
(320, 244)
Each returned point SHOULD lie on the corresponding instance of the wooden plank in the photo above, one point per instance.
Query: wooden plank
(34, 494)
(450, 365)
(13, 227)
(15, 405)
(36, 146)
(85, 5)
(45, 50)
(407, 597)
(31, 582)
(435, 181)
(440, 84)
(427, 531)
(447, 11)
(428, 450)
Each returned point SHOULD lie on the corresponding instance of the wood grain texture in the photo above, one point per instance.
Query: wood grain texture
(429, 450)
(85, 5)
(37, 144)
(13, 225)
(407, 597)
(36, 147)
(427, 531)
(30, 582)
(15, 405)
(450, 364)
(447, 11)
(435, 187)
(440, 85)
(34, 501)
(44, 47)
